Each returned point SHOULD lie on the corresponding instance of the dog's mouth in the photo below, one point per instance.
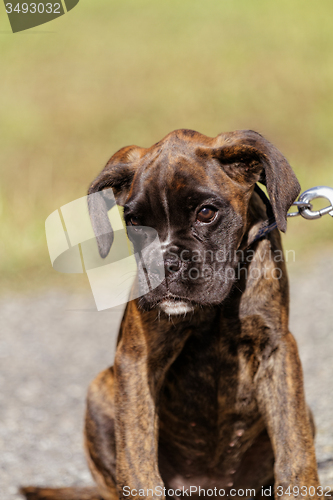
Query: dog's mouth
(176, 306)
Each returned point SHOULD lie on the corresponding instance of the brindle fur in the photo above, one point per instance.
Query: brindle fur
(214, 398)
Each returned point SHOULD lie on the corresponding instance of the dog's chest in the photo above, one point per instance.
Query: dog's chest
(208, 412)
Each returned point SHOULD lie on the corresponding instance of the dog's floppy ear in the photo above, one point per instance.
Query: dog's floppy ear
(118, 175)
(249, 157)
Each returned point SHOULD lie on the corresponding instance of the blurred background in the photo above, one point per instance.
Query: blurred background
(114, 73)
(118, 72)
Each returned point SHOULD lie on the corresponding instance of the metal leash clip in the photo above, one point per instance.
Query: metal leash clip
(305, 208)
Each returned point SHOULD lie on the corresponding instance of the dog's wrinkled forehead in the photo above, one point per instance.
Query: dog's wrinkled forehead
(176, 173)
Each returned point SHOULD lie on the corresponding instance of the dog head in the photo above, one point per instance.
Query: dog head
(195, 192)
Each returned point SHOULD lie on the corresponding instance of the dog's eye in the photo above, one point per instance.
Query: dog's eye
(133, 221)
(206, 214)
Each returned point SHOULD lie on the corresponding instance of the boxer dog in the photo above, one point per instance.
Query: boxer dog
(206, 394)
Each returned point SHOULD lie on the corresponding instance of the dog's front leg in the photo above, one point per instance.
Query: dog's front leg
(281, 400)
(144, 353)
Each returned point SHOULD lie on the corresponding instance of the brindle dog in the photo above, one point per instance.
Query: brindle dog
(207, 386)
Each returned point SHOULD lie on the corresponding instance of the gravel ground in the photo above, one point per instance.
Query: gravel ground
(53, 344)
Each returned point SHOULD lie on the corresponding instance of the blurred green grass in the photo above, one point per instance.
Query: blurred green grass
(114, 73)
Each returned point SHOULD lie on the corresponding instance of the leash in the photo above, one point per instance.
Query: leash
(305, 208)
(303, 204)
